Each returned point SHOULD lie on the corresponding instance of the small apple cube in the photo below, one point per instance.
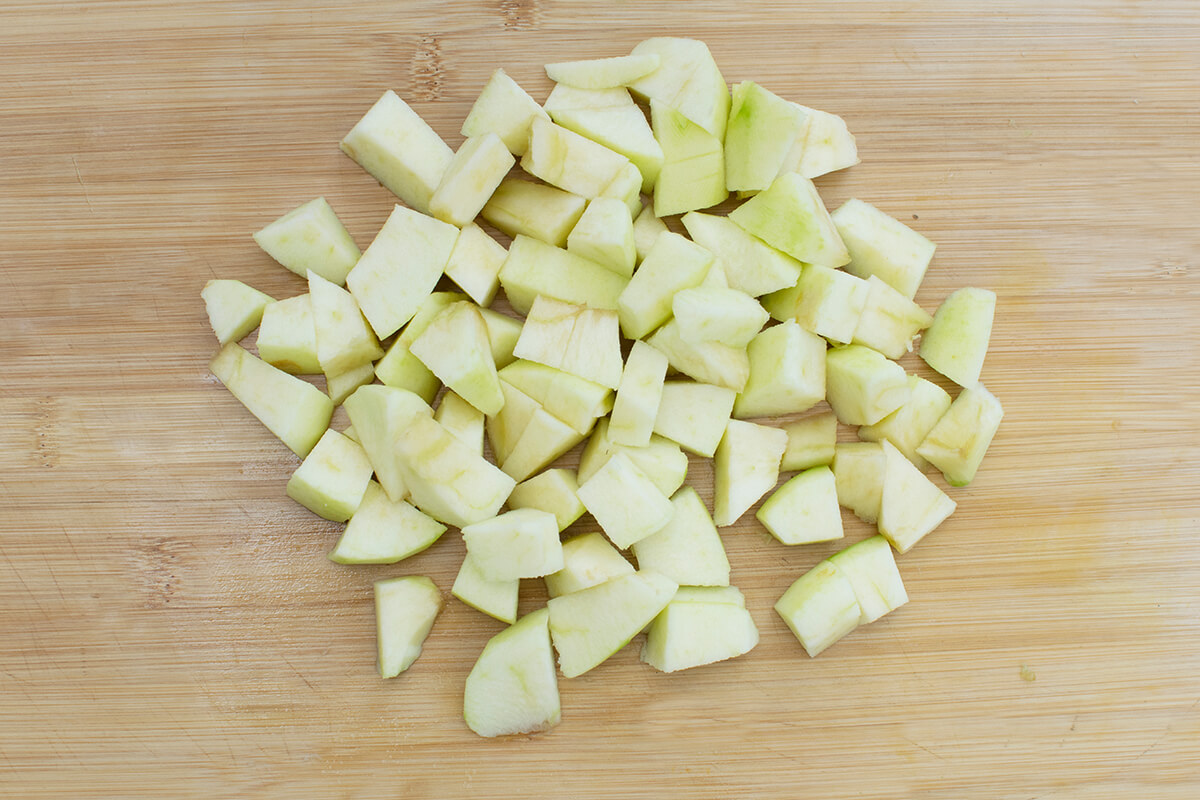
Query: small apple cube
(661, 460)
(693, 171)
(380, 414)
(525, 208)
(505, 427)
(694, 415)
(581, 341)
(496, 598)
(472, 175)
(576, 401)
(673, 264)
(455, 347)
(461, 419)
(826, 301)
(871, 569)
(610, 117)
(287, 337)
(761, 132)
(534, 268)
(343, 384)
(519, 544)
(505, 109)
(383, 531)
(957, 443)
(957, 340)
(405, 609)
(750, 264)
(889, 320)
(513, 687)
(911, 505)
(475, 262)
(708, 362)
(603, 73)
(858, 468)
(805, 509)
(862, 386)
(688, 550)
(543, 440)
(635, 407)
(646, 230)
(604, 234)
(344, 339)
(588, 560)
(790, 216)
(332, 479)
(908, 425)
(787, 373)
(569, 161)
(687, 79)
(234, 309)
(811, 442)
(555, 491)
(713, 314)
(824, 145)
(311, 237)
(625, 502)
(883, 247)
(820, 608)
(745, 467)
(692, 634)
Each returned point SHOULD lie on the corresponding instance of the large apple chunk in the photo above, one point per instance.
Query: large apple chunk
(787, 372)
(790, 216)
(554, 490)
(380, 416)
(889, 320)
(333, 478)
(716, 314)
(383, 531)
(688, 550)
(708, 362)
(604, 234)
(610, 117)
(811, 442)
(505, 109)
(456, 348)
(750, 264)
(862, 386)
(519, 544)
(311, 237)
(636, 405)
(497, 598)
(344, 339)
(513, 687)
(662, 461)
(957, 341)
(745, 468)
(470, 178)
(762, 129)
(693, 171)
(234, 309)
(475, 263)
(673, 264)
(524, 207)
(581, 341)
(911, 505)
(820, 607)
(957, 443)
(588, 560)
(534, 268)
(882, 246)
(694, 415)
(688, 80)
(287, 337)
(805, 509)
(571, 162)
(871, 569)
(826, 301)
(858, 468)
(693, 632)
(405, 609)
(625, 502)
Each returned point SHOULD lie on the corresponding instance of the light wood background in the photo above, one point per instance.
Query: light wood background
(169, 625)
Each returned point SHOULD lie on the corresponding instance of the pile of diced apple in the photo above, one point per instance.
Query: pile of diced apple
(639, 343)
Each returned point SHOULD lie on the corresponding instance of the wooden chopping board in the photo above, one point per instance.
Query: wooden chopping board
(171, 626)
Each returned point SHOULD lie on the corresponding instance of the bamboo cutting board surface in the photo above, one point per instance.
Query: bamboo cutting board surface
(171, 625)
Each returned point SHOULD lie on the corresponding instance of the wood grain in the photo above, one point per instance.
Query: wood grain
(171, 625)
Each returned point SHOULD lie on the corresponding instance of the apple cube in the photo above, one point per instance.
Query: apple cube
(518, 544)
(862, 386)
(805, 509)
(820, 608)
(957, 340)
(581, 341)
(871, 569)
(603, 73)
(708, 362)
(694, 415)
(625, 502)
(287, 337)
(332, 479)
(824, 145)
(400, 268)
(883, 247)
(687, 79)
(673, 264)
(826, 301)
(505, 109)
(588, 560)
(889, 320)
(555, 491)
(661, 460)
(957, 443)
(907, 426)
(574, 400)
(750, 264)
(590, 625)
(525, 208)
(911, 505)
(475, 262)
(311, 237)
(461, 419)
(384, 531)
(294, 410)
(858, 468)
(610, 117)
(787, 373)
(496, 598)
(713, 314)
(533, 267)
(761, 132)
(455, 347)
(646, 230)
(693, 170)
(745, 467)
(569, 161)
(692, 634)
(513, 687)
(405, 609)
(505, 427)
(234, 309)
(343, 384)
(688, 550)
(811, 442)
(635, 407)
(472, 175)
(790, 216)
(604, 234)
(400, 150)
(543, 440)
(344, 339)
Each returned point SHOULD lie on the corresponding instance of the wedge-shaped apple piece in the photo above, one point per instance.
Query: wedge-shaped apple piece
(343, 384)
(883, 247)
(688, 80)
(787, 373)
(957, 341)
(581, 341)
(790, 216)
(383, 531)
(693, 633)
(456, 349)
(287, 338)
(504, 428)
(405, 609)
(461, 419)
(673, 264)
(871, 569)
(588, 560)
(234, 309)
(805, 509)
(513, 687)
(625, 502)
(295, 411)
(311, 237)
(574, 400)
(380, 415)
(761, 132)
(401, 369)
(908, 425)
(543, 440)
(912, 505)
(820, 608)
(332, 479)
(862, 386)
(533, 267)
(344, 339)
(496, 598)
(525, 208)
(824, 145)
(400, 150)
(750, 264)
(661, 460)
(610, 117)
(503, 333)
(400, 268)
(688, 550)
(555, 491)
(957, 443)
(889, 320)
(646, 230)
(811, 442)
(694, 415)
(707, 362)
(569, 161)
(636, 404)
(469, 180)
(590, 625)
(745, 467)
(505, 109)
(603, 73)
(604, 234)
(712, 314)
(626, 187)
(518, 544)
(693, 170)
(475, 262)
(826, 301)
(859, 470)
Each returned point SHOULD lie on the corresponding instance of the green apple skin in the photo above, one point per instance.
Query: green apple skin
(456, 348)
(761, 131)
(751, 265)
(820, 608)
(790, 217)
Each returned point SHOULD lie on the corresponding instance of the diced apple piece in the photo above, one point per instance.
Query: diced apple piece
(569, 161)
(957, 443)
(475, 263)
(824, 145)
(912, 505)
(543, 440)
(692, 634)
(574, 400)
(588, 560)
(332, 479)
(581, 341)
(707, 362)
(405, 609)
(590, 625)
(762, 129)
(625, 502)
(610, 117)
(889, 320)
(661, 460)
(688, 550)
(862, 386)
(503, 333)
(711, 314)
(820, 608)
(525, 208)
(519, 544)
(883, 247)
(513, 687)
(344, 339)
(957, 341)
(790, 216)
(688, 80)
(383, 531)
(636, 405)
(907, 426)
(504, 428)
(693, 170)
(461, 419)
(400, 150)
(287, 338)
(505, 109)
(871, 569)
(295, 411)
(646, 230)
(533, 267)
(787, 373)
(472, 175)
(750, 264)
(400, 268)
(859, 469)
(673, 264)
(234, 309)
(343, 384)
(555, 491)
(602, 73)
(399, 367)
(604, 234)
(456, 348)
(805, 509)
(745, 467)
(694, 415)
(380, 415)
(826, 301)
(496, 598)
(311, 237)
(811, 442)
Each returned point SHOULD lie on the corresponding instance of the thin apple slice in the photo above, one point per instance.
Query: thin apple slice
(311, 237)
(688, 550)
(603, 73)
(505, 109)
(384, 531)
(820, 608)
(513, 687)
(745, 467)
(957, 443)
(692, 634)
(555, 491)
(805, 509)
(333, 477)
(625, 502)
(588, 560)
(790, 216)
(405, 609)
(494, 597)
(911, 505)
(234, 309)
(957, 341)
(811, 442)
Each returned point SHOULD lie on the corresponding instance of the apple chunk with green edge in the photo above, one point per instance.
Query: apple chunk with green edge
(590, 625)
(858, 468)
(399, 368)
(522, 207)
(553, 490)
(673, 264)
(311, 237)
(472, 175)
(688, 550)
(344, 339)
(687, 79)
(505, 109)
(588, 560)
(513, 687)
(287, 338)
(295, 411)
(912, 505)
(745, 468)
(625, 502)
(790, 216)
(604, 234)
(518, 544)
(474, 264)
(826, 301)
(787, 373)
(805, 509)
(871, 569)
(862, 385)
(661, 460)
(603, 73)
(889, 321)
(908, 425)
(333, 478)
(610, 117)
(496, 598)
(646, 230)
(456, 348)
(384, 531)
(234, 309)
(751, 265)
(811, 442)
(693, 633)
(636, 404)
(535, 268)
(820, 607)
(957, 340)
(694, 415)
(957, 443)
(883, 247)
(505, 427)
(693, 171)
(761, 132)
(578, 340)
(405, 609)
(343, 384)
(380, 416)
